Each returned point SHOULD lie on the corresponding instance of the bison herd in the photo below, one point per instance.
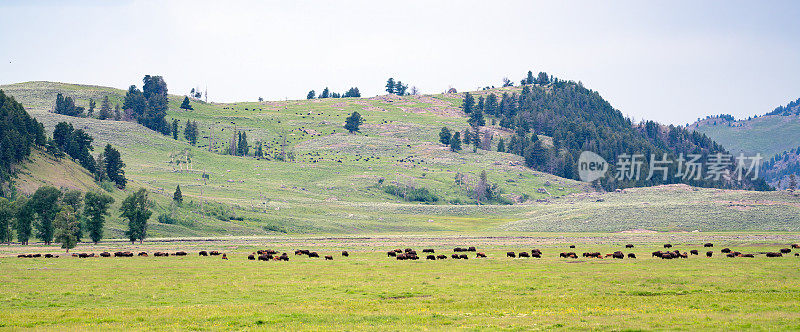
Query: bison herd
(430, 254)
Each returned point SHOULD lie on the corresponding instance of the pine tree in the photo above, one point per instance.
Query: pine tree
(66, 228)
(390, 85)
(45, 204)
(175, 129)
(177, 197)
(117, 113)
(501, 147)
(311, 94)
(186, 104)
(6, 214)
(444, 136)
(136, 208)
(190, 132)
(530, 79)
(105, 109)
(455, 142)
(92, 105)
(400, 88)
(325, 93)
(469, 103)
(24, 216)
(96, 209)
(353, 122)
(114, 167)
(476, 119)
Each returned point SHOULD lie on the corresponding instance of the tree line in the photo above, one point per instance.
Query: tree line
(19, 133)
(66, 217)
(326, 93)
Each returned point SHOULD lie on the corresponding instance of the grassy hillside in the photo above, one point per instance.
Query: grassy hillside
(768, 135)
(335, 183)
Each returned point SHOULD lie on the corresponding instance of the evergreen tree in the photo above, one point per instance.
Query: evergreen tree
(501, 147)
(175, 129)
(74, 199)
(190, 132)
(136, 208)
(353, 122)
(105, 109)
(114, 166)
(259, 152)
(481, 104)
(186, 104)
(6, 215)
(390, 85)
(243, 149)
(45, 204)
(311, 94)
(444, 136)
(400, 88)
(455, 142)
(154, 91)
(476, 140)
(530, 79)
(469, 103)
(325, 93)
(96, 209)
(66, 228)
(177, 197)
(135, 102)
(476, 119)
(117, 113)
(92, 105)
(490, 106)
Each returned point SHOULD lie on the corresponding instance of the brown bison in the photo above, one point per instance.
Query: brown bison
(795, 246)
(536, 255)
(345, 253)
(283, 257)
(142, 254)
(472, 249)
(480, 255)
(726, 250)
(572, 246)
(511, 254)
(181, 253)
(454, 256)
(631, 255)
(431, 257)
(785, 250)
(748, 255)
(214, 253)
(391, 253)
(105, 254)
(48, 255)
(667, 245)
(708, 245)
(628, 246)
(536, 251)
(774, 254)
(709, 253)
(264, 257)
(203, 253)
(618, 255)
(463, 256)
(313, 254)
(657, 253)
(328, 257)
(694, 252)
(458, 249)
(251, 257)
(730, 255)
(441, 256)
(428, 250)
(523, 254)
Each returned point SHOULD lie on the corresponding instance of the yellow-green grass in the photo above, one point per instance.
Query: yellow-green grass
(371, 291)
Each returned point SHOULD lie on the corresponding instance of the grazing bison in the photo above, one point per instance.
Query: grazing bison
(142, 254)
(407, 250)
(328, 257)
(214, 253)
(708, 245)
(726, 250)
(283, 257)
(524, 254)
(472, 249)
(251, 257)
(785, 250)
(430, 257)
(694, 252)
(796, 246)
(458, 249)
(592, 254)
(572, 246)
(48, 255)
(428, 250)
(709, 253)
(411, 252)
(203, 253)
(774, 254)
(398, 251)
(441, 256)
(391, 254)
(667, 245)
(666, 255)
(463, 256)
(657, 253)
(181, 253)
(480, 255)
(300, 252)
(511, 254)
(628, 246)
(631, 255)
(536, 251)
(730, 255)
(748, 255)
(105, 254)
(345, 254)
(313, 254)
(618, 255)
(454, 256)
(264, 257)
(536, 255)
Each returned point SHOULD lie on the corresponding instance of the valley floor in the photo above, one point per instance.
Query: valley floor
(369, 290)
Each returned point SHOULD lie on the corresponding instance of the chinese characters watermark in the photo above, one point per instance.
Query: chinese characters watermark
(629, 167)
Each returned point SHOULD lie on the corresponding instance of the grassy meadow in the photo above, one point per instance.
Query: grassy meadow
(370, 291)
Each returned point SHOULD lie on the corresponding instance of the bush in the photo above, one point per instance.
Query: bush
(167, 219)
(411, 194)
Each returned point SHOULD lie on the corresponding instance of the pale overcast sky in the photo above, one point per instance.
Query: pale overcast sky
(671, 61)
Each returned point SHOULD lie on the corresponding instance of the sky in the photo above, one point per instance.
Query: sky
(669, 61)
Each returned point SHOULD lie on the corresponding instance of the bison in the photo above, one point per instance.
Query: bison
(203, 253)
(480, 255)
(454, 256)
(472, 249)
(105, 254)
(536, 251)
(774, 254)
(730, 255)
(214, 253)
(524, 254)
(709, 253)
(748, 255)
(264, 257)
(511, 254)
(313, 254)
(708, 245)
(181, 253)
(536, 255)
(628, 246)
(667, 245)
(458, 249)
(142, 254)
(618, 255)
(463, 256)
(572, 246)
(251, 257)
(328, 257)
(694, 252)
(631, 255)
(391, 253)
(785, 250)
(431, 257)
(726, 250)
(345, 253)
(441, 256)
(428, 250)
(796, 246)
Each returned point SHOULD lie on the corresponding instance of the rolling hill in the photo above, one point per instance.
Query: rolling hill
(767, 134)
(335, 184)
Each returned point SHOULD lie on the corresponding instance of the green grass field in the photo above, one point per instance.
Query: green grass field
(759, 135)
(370, 291)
